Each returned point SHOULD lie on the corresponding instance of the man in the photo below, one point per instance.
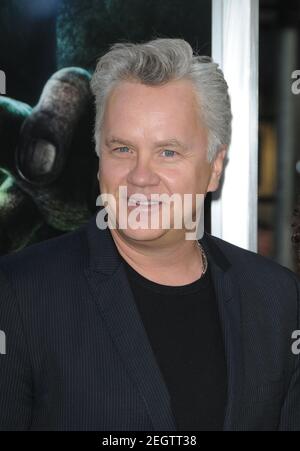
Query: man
(139, 328)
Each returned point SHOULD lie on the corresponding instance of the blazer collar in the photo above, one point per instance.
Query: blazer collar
(104, 256)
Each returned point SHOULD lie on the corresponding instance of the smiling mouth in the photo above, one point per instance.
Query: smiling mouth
(136, 203)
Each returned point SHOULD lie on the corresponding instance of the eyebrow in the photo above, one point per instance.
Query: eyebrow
(166, 142)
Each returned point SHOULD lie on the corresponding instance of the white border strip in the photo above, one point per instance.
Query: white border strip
(235, 47)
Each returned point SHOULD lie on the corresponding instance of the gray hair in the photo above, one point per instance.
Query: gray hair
(157, 62)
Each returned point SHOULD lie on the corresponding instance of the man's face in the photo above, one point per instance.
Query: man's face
(152, 142)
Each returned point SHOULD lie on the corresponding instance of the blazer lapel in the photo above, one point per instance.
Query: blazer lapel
(114, 298)
(113, 295)
(228, 298)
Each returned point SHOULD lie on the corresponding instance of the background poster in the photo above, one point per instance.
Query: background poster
(48, 50)
(48, 167)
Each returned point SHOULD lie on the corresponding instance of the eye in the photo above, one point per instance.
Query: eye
(121, 149)
(170, 152)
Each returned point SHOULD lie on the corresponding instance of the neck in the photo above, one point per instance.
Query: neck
(173, 262)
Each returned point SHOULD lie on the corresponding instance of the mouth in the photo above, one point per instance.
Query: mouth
(147, 204)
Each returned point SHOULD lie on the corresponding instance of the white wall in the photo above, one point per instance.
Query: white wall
(235, 48)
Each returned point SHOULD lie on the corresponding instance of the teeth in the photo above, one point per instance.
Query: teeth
(146, 203)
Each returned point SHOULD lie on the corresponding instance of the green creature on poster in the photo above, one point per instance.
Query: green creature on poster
(48, 165)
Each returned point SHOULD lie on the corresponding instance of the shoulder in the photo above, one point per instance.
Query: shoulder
(249, 266)
(54, 255)
(238, 255)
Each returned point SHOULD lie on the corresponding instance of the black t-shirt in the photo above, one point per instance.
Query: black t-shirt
(183, 327)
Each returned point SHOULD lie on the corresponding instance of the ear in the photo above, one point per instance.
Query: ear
(217, 169)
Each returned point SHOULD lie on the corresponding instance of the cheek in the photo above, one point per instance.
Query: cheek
(172, 179)
(112, 174)
(194, 180)
(202, 177)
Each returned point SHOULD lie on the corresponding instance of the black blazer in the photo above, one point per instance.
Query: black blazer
(78, 357)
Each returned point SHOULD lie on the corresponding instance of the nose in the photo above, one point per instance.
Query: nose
(143, 173)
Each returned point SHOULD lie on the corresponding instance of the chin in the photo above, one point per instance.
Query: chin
(142, 234)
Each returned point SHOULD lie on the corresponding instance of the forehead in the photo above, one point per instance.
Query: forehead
(172, 104)
(154, 98)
